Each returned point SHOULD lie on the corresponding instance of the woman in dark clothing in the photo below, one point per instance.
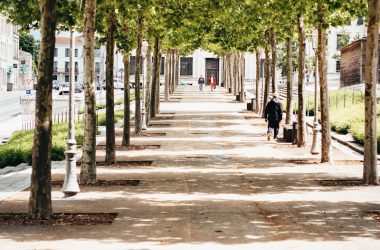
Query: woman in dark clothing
(273, 115)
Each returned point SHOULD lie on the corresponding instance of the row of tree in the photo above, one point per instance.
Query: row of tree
(174, 27)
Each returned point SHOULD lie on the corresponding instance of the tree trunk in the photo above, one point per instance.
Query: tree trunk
(153, 111)
(231, 73)
(158, 80)
(177, 68)
(167, 76)
(371, 73)
(289, 81)
(267, 80)
(324, 92)
(172, 71)
(127, 103)
(241, 77)
(274, 61)
(257, 81)
(110, 105)
(40, 205)
(149, 73)
(235, 70)
(137, 77)
(301, 131)
(88, 167)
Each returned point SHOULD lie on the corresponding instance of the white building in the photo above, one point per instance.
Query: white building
(62, 60)
(25, 69)
(9, 46)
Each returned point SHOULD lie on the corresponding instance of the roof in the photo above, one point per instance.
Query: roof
(66, 40)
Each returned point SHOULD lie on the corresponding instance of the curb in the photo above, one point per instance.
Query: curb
(353, 146)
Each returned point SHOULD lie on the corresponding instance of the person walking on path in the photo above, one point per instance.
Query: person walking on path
(201, 82)
(212, 83)
(273, 115)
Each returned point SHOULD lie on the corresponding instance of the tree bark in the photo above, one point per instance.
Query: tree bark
(40, 205)
(148, 82)
(301, 131)
(167, 76)
(324, 92)
(267, 80)
(289, 81)
(231, 73)
(370, 175)
(88, 167)
(235, 70)
(127, 103)
(110, 105)
(241, 77)
(137, 78)
(274, 61)
(257, 81)
(158, 80)
(153, 111)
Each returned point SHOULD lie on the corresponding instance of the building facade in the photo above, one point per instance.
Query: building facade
(9, 52)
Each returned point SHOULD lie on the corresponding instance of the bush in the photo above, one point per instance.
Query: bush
(19, 148)
(119, 114)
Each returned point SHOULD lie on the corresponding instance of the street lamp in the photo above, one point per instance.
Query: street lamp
(144, 49)
(70, 185)
(315, 148)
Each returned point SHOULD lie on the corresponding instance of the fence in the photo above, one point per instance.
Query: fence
(60, 112)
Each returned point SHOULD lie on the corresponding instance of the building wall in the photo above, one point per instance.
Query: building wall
(350, 65)
(8, 48)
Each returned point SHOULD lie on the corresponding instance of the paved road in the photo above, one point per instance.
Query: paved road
(215, 183)
(11, 109)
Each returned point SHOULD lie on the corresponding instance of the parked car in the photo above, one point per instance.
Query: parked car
(64, 88)
(117, 84)
(56, 84)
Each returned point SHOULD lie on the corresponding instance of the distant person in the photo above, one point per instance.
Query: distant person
(201, 82)
(212, 83)
(273, 115)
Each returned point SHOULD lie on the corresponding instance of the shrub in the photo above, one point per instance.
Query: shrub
(19, 148)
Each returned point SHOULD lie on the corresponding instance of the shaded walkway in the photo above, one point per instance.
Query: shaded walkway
(215, 183)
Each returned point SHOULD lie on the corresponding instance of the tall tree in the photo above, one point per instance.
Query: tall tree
(289, 80)
(110, 109)
(273, 42)
(370, 175)
(301, 130)
(88, 167)
(138, 117)
(257, 80)
(40, 205)
(127, 100)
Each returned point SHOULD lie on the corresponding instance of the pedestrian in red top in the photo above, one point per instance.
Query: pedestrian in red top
(212, 83)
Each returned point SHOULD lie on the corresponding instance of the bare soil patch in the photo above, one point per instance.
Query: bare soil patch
(61, 219)
(102, 183)
(159, 118)
(337, 162)
(159, 125)
(131, 147)
(199, 133)
(341, 183)
(121, 164)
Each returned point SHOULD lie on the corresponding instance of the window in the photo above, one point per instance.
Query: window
(55, 77)
(67, 66)
(162, 66)
(97, 67)
(76, 52)
(76, 66)
(55, 52)
(55, 66)
(132, 65)
(337, 66)
(186, 66)
(67, 52)
(360, 22)
(23, 62)
(76, 78)
(67, 79)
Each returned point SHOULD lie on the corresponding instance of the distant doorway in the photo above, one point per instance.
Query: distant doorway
(212, 68)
